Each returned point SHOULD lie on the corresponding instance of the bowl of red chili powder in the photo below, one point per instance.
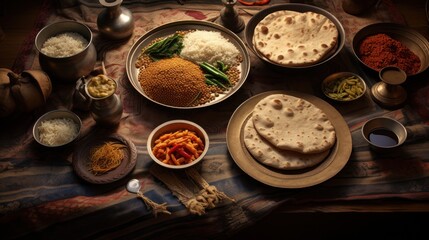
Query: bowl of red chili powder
(388, 44)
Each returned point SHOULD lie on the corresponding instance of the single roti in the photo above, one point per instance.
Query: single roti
(268, 154)
(294, 124)
(295, 39)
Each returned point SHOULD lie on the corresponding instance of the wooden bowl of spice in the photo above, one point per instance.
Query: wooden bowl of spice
(178, 144)
(101, 160)
(387, 44)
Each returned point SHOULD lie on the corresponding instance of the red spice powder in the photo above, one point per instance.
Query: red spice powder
(380, 50)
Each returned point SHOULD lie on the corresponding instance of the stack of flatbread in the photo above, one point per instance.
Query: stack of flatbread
(288, 133)
(290, 38)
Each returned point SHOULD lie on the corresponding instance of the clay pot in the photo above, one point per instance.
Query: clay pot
(30, 89)
(43, 81)
(23, 92)
(7, 101)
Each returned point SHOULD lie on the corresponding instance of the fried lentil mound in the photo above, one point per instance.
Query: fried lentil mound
(174, 82)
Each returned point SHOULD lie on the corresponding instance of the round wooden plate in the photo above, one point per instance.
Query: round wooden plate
(81, 160)
(336, 160)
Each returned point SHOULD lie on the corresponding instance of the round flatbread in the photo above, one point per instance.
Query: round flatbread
(294, 124)
(267, 154)
(293, 38)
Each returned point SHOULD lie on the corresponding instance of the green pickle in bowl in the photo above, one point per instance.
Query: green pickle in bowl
(343, 86)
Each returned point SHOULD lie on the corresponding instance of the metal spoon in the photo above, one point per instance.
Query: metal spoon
(134, 186)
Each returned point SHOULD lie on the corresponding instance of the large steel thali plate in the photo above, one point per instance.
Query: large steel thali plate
(171, 28)
(297, 7)
(412, 39)
(334, 162)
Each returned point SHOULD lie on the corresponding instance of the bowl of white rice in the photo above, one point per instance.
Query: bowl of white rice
(66, 51)
(57, 128)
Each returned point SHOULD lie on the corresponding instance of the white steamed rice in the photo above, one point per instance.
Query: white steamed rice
(57, 131)
(64, 45)
(208, 46)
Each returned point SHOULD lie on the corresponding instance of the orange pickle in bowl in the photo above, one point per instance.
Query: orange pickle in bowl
(178, 148)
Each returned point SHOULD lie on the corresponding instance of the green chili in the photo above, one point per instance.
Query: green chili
(218, 74)
(222, 66)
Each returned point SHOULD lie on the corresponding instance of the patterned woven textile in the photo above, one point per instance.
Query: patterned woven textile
(42, 197)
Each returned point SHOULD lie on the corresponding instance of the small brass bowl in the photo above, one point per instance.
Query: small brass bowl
(340, 86)
(384, 133)
(172, 126)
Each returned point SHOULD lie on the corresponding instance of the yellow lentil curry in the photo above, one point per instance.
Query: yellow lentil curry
(101, 86)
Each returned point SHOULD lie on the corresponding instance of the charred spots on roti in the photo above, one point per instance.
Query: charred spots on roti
(318, 127)
(268, 122)
(288, 112)
(276, 104)
(264, 30)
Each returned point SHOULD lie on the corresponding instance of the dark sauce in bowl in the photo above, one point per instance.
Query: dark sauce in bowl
(383, 138)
